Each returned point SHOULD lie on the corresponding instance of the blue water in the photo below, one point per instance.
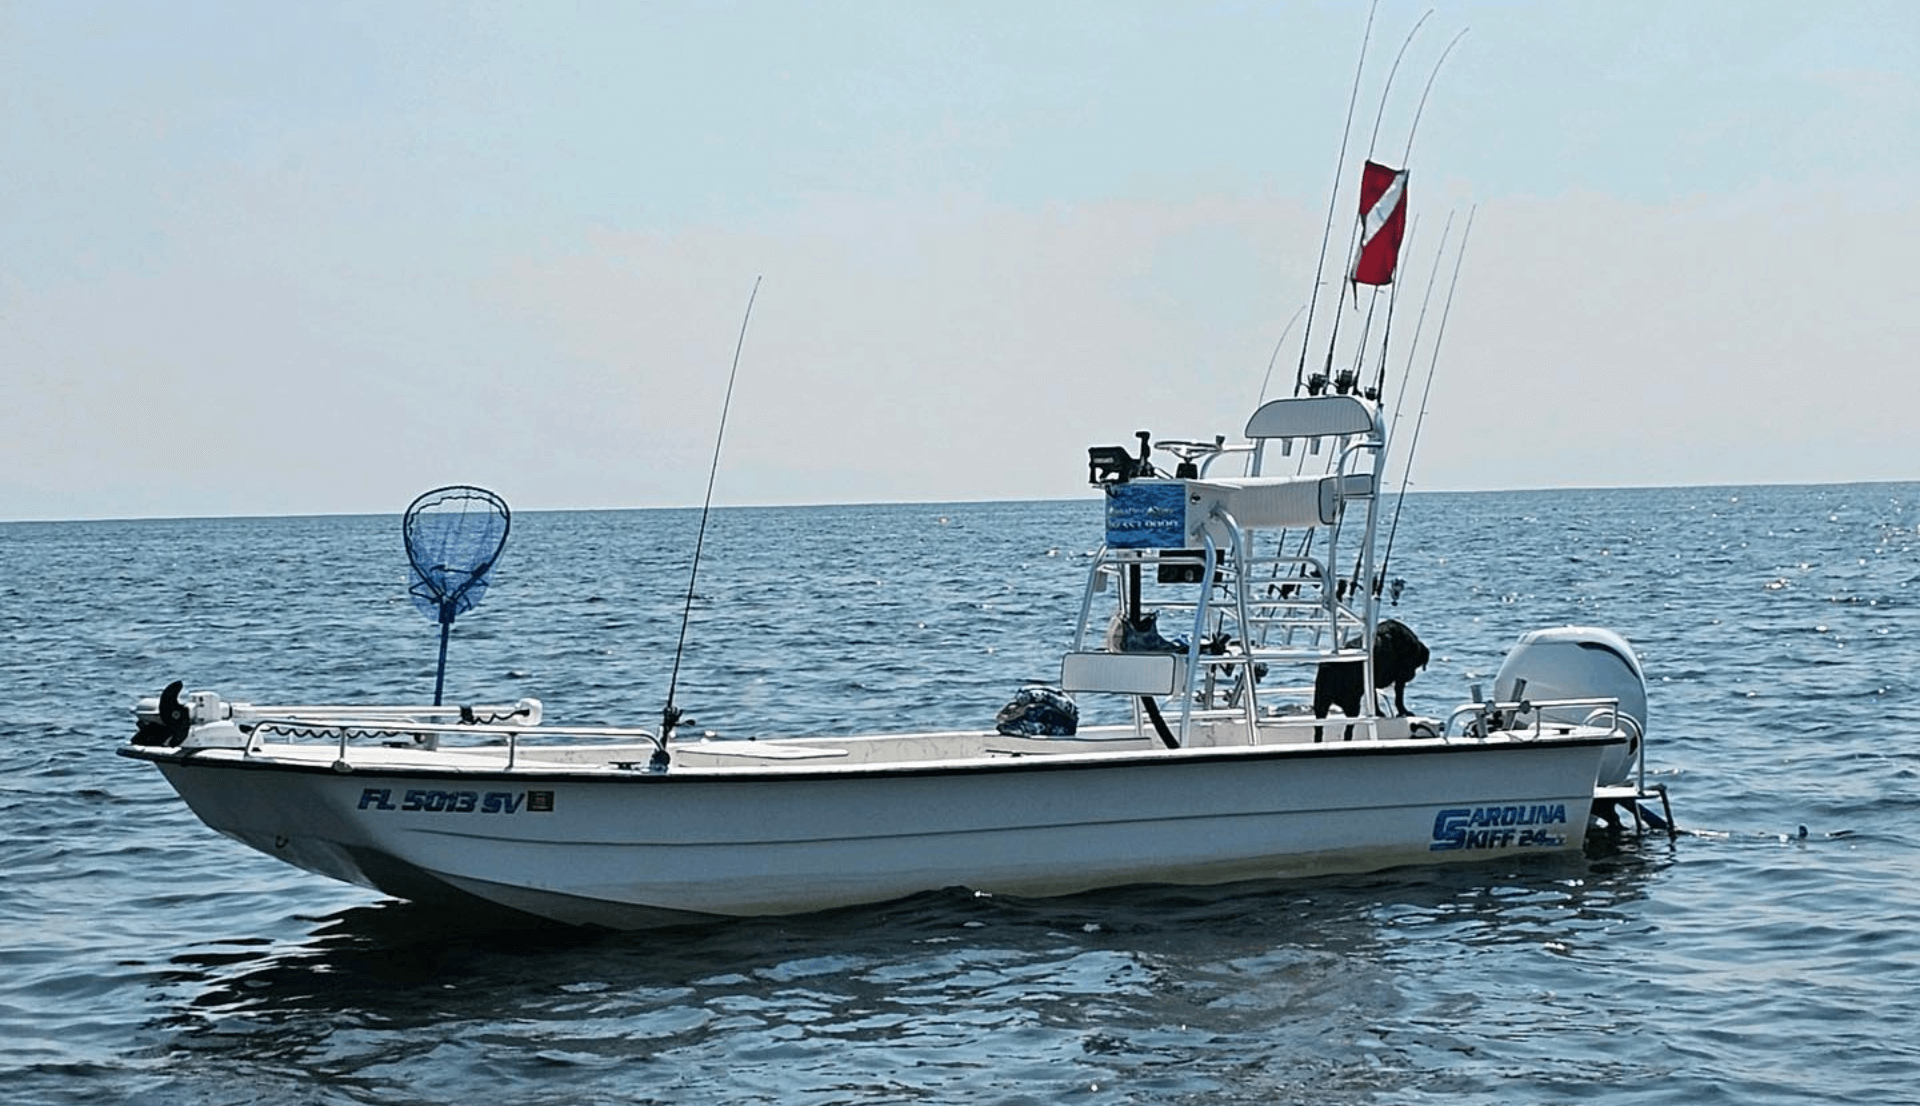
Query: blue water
(146, 959)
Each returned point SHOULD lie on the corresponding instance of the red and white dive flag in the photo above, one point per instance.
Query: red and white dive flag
(1383, 222)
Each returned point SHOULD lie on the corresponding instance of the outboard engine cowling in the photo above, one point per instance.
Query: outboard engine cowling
(1581, 662)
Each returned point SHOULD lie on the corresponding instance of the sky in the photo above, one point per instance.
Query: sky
(287, 259)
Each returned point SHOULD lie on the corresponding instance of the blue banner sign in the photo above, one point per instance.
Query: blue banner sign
(1147, 514)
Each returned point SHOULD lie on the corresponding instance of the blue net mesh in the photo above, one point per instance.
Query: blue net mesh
(454, 536)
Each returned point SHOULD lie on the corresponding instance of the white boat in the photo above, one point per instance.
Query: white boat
(1211, 768)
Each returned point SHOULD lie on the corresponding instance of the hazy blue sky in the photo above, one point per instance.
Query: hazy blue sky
(290, 258)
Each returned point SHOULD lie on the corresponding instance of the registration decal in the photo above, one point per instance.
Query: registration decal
(457, 802)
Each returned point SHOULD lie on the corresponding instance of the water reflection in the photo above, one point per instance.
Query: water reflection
(1239, 993)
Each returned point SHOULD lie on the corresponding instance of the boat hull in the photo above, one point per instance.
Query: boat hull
(635, 849)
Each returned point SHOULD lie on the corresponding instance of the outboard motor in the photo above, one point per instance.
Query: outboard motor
(1581, 662)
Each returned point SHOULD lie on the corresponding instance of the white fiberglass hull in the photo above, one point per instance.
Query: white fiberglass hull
(631, 849)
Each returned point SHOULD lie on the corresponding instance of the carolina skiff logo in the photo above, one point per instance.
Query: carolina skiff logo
(458, 802)
(1500, 827)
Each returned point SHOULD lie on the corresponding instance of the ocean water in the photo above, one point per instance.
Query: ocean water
(1769, 954)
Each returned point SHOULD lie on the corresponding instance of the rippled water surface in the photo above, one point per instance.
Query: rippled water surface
(146, 959)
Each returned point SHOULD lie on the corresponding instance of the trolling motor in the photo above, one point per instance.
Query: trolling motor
(1112, 464)
(169, 723)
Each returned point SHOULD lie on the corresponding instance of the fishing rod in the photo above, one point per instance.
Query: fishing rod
(1366, 330)
(1355, 243)
(1386, 330)
(1333, 204)
(670, 714)
(1380, 376)
(1406, 475)
(1373, 143)
(1373, 140)
(1267, 379)
(1419, 326)
(1399, 403)
(1306, 538)
(1399, 409)
(1406, 159)
(1362, 348)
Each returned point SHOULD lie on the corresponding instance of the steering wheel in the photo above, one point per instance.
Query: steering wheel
(1187, 450)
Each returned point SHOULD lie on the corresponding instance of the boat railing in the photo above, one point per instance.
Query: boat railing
(421, 727)
(1530, 716)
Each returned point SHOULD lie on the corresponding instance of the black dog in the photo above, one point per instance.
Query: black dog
(1398, 654)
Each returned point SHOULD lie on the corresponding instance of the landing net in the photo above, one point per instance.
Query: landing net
(454, 538)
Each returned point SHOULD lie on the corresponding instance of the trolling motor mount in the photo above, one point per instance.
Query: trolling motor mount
(1112, 464)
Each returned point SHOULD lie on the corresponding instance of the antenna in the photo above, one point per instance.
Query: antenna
(670, 714)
